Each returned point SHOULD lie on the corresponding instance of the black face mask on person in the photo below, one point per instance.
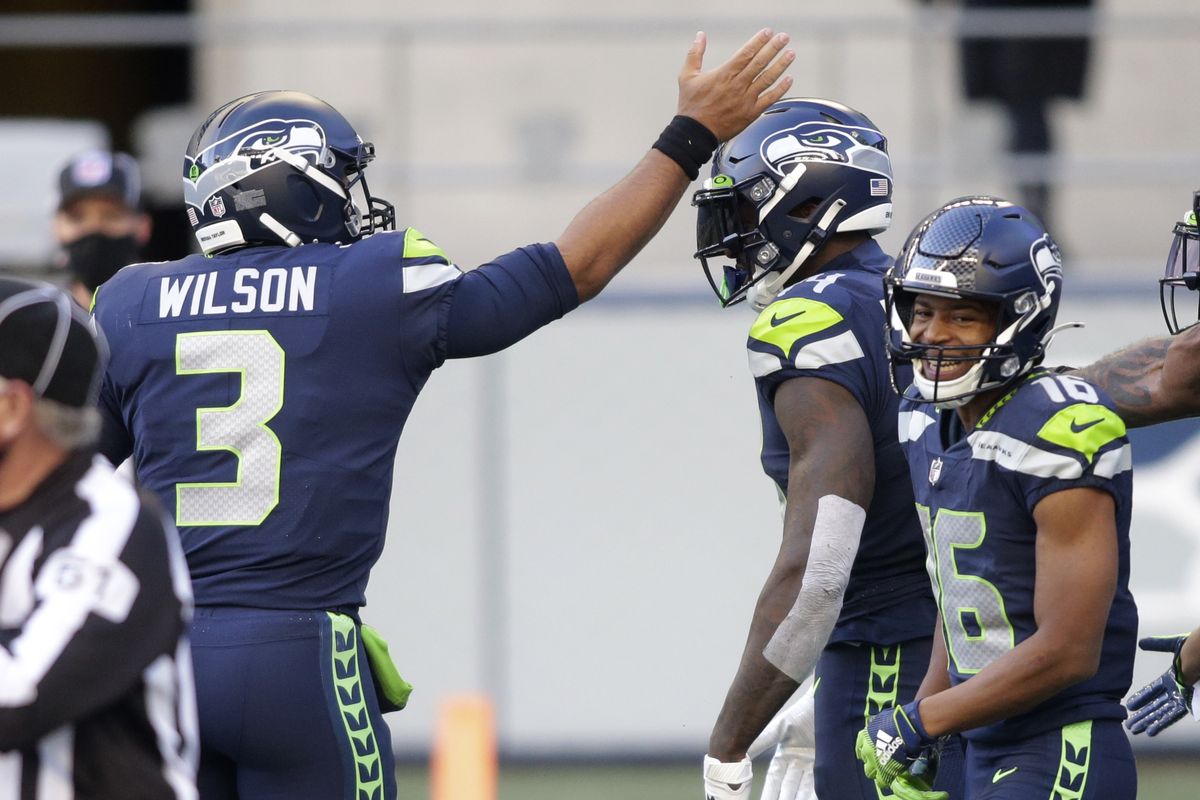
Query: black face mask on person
(95, 258)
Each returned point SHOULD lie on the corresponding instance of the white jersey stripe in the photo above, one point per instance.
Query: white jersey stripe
(763, 364)
(834, 350)
(16, 590)
(418, 277)
(162, 709)
(98, 541)
(1114, 462)
(56, 765)
(912, 425)
(10, 774)
(1018, 456)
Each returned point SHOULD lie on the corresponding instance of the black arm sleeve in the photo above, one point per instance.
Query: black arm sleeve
(505, 300)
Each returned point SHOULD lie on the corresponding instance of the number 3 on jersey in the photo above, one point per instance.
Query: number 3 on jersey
(240, 428)
(976, 625)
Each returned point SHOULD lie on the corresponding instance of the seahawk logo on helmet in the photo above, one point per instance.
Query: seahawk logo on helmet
(803, 172)
(1044, 255)
(820, 141)
(284, 167)
(246, 151)
(300, 136)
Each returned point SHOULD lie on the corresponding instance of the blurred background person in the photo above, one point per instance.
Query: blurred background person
(99, 224)
(1023, 75)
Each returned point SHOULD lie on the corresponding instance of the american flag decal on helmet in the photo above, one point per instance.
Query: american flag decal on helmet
(879, 187)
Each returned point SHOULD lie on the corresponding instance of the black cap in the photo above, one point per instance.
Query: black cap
(101, 172)
(49, 342)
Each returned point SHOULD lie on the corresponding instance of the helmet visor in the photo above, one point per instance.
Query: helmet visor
(717, 229)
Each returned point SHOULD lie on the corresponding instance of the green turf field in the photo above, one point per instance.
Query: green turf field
(1159, 779)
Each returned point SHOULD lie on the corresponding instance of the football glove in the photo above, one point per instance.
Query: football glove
(724, 781)
(891, 743)
(790, 774)
(1165, 700)
(909, 787)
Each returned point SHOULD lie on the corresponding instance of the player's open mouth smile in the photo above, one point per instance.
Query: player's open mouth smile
(935, 370)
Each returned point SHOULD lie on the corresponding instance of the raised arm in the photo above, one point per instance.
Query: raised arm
(613, 228)
(1152, 381)
(830, 482)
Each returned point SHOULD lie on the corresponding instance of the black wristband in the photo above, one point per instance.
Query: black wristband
(688, 143)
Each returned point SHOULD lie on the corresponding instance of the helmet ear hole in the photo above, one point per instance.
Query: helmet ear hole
(805, 210)
(306, 201)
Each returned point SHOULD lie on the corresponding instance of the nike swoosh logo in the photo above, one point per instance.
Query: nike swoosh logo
(1075, 428)
(777, 320)
(1003, 773)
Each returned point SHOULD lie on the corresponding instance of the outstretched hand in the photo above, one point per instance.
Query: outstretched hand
(728, 98)
(1166, 700)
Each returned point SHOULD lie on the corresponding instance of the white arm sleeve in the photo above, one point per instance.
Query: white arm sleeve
(798, 641)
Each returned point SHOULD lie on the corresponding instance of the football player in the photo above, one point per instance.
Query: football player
(794, 202)
(1168, 698)
(262, 387)
(1022, 479)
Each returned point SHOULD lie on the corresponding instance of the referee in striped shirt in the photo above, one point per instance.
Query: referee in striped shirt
(96, 696)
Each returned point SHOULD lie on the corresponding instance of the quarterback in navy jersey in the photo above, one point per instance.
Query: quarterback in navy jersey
(262, 390)
(1022, 479)
(795, 201)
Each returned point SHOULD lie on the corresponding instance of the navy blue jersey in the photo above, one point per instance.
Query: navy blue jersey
(262, 394)
(831, 326)
(976, 494)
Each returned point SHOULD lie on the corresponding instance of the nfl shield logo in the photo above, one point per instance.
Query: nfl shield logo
(216, 204)
(935, 471)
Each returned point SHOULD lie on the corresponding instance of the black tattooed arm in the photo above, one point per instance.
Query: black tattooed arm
(1152, 381)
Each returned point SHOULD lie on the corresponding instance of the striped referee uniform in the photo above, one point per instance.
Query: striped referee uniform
(96, 694)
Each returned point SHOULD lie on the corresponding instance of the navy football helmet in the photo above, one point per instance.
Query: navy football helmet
(978, 248)
(803, 171)
(276, 168)
(1183, 271)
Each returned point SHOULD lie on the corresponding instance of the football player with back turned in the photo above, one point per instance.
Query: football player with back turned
(262, 390)
(1023, 484)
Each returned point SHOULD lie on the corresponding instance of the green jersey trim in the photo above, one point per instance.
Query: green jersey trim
(1073, 765)
(786, 322)
(350, 697)
(1085, 428)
